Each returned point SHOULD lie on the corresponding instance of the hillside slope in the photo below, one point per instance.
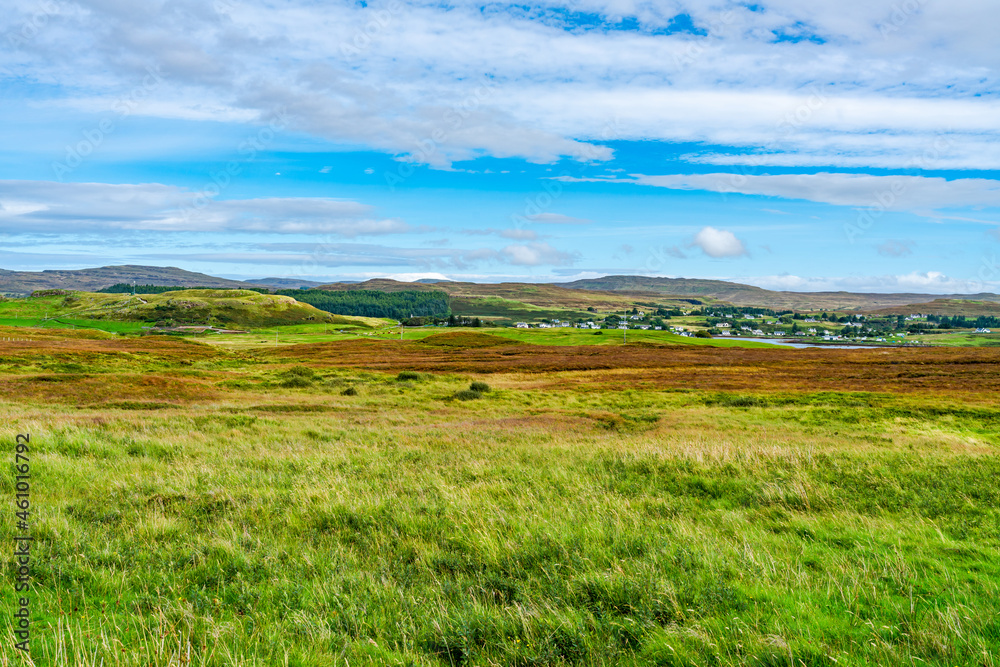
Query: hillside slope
(25, 282)
(228, 308)
(748, 295)
(540, 295)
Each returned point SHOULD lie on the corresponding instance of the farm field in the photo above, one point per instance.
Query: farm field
(357, 502)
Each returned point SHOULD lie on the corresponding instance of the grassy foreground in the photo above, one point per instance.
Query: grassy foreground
(197, 506)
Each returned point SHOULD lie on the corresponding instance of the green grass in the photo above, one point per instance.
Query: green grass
(75, 323)
(962, 339)
(127, 313)
(569, 336)
(283, 522)
(499, 308)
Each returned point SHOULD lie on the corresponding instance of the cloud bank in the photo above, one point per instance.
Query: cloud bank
(778, 82)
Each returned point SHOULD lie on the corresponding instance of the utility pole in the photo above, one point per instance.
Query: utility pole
(625, 327)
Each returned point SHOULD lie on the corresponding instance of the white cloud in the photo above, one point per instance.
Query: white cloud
(894, 248)
(512, 233)
(719, 243)
(414, 277)
(47, 207)
(407, 78)
(902, 193)
(917, 282)
(556, 219)
(536, 254)
(327, 254)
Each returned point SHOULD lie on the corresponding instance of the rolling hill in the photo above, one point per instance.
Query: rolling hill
(949, 307)
(537, 295)
(748, 295)
(25, 282)
(508, 300)
(226, 308)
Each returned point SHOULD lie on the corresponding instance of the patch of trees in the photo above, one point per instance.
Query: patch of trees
(126, 288)
(961, 322)
(402, 305)
(719, 311)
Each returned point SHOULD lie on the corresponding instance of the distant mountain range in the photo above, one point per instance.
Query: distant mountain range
(603, 293)
(284, 283)
(91, 280)
(748, 295)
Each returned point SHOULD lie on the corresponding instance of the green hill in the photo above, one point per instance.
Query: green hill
(224, 308)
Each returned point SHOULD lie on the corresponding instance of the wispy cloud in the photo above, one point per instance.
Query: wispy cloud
(42, 206)
(512, 233)
(557, 219)
(919, 194)
(413, 84)
(537, 254)
(894, 248)
(920, 282)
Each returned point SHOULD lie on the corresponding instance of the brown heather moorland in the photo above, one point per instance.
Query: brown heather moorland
(470, 500)
(963, 370)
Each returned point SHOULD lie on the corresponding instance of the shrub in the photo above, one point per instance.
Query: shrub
(481, 387)
(350, 391)
(296, 382)
(738, 401)
(408, 375)
(468, 395)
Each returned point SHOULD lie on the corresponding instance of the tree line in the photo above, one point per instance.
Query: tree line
(126, 288)
(373, 303)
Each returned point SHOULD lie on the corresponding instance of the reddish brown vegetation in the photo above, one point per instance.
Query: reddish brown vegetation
(885, 369)
(87, 390)
(82, 350)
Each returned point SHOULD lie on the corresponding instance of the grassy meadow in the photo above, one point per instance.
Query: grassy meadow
(368, 501)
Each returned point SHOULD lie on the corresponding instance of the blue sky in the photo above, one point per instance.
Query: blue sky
(806, 146)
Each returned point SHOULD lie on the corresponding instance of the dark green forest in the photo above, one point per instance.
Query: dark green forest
(126, 288)
(372, 303)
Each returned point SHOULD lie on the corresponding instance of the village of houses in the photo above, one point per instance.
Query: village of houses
(857, 328)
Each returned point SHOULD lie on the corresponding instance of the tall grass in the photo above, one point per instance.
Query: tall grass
(280, 522)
